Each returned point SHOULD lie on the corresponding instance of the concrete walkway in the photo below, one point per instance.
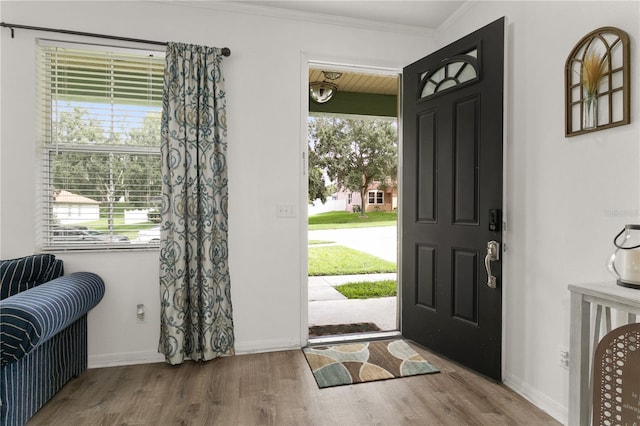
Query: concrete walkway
(380, 311)
(322, 288)
(327, 306)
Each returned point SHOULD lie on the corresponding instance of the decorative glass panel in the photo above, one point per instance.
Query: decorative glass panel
(447, 84)
(455, 67)
(451, 74)
(429, 89)
(468, 73)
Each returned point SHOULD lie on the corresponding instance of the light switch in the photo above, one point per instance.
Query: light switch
(285, 210)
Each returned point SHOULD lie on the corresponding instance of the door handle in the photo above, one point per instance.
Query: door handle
(493, 255)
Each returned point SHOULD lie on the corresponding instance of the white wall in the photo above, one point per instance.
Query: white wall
(265, 91)
(566, 197)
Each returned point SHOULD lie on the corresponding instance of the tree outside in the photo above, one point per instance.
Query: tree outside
(354, 153)
(317, 187)
(107, 177)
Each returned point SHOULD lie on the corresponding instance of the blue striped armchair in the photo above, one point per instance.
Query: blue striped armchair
(43, 331)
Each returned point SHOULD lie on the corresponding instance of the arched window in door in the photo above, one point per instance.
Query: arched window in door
(453, 72)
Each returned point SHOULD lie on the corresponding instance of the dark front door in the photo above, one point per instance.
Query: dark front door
(451, 200)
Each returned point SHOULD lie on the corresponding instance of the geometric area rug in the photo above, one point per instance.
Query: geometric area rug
(352, 363)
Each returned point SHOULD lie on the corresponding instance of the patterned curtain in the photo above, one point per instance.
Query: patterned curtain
(195, 290)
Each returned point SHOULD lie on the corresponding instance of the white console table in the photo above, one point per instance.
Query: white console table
(601, 296)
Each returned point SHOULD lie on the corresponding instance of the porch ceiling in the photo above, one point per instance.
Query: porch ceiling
(358, 94)
(359, 82)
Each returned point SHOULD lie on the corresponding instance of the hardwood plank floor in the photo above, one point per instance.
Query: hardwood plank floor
(278, 388)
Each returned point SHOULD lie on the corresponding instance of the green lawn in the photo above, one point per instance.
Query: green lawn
(340, 260)
(313, 242)
(336, 220)
(368, 290)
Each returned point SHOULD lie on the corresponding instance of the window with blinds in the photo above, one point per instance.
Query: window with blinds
(100, 135)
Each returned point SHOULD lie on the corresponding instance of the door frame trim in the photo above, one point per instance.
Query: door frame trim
(306, 62)
(506, 85)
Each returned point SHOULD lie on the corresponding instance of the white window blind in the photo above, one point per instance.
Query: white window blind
(100, 133)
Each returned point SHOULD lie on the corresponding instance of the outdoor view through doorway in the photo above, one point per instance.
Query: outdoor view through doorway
(353, 199)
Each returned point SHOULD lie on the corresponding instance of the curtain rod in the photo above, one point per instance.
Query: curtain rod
(225, 50)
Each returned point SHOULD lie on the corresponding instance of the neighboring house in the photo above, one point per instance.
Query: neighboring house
(69, 208)
(331, 204)
(379, 198)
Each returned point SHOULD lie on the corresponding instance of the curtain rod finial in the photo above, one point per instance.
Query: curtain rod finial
(4, 24)
(226, 51)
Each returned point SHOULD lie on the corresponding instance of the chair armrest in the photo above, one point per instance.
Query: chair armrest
(31, 317)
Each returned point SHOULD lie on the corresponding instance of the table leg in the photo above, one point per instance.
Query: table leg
(579, 398)
(607, 319)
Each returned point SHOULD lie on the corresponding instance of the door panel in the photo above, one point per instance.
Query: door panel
(426, 285)
(465, 284)
(452, 177)
(426, 155)
(465, 163)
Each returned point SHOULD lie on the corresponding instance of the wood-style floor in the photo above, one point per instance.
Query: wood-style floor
(278, 388)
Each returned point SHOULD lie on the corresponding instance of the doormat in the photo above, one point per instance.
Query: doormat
(352, 363)
(334, 329)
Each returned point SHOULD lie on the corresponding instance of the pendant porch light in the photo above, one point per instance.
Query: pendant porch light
(323, 91)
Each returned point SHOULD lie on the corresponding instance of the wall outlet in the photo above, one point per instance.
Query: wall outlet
(140, 312)
(564, 358)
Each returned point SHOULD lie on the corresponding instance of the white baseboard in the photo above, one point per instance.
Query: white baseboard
(133, 358)
(126, 358)
(274, 345)
(542, 401)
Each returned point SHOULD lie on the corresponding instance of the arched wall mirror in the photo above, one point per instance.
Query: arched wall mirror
(597, 79)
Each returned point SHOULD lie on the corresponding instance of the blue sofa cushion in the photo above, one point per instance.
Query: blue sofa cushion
(31, 317)
(17, 275)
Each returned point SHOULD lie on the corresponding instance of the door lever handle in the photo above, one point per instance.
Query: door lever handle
(493, 255)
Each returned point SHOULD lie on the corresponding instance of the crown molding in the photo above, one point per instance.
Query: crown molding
(295, 15)
(468, 4)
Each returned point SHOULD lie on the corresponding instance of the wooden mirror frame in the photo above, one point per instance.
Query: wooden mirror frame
(608, 38)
